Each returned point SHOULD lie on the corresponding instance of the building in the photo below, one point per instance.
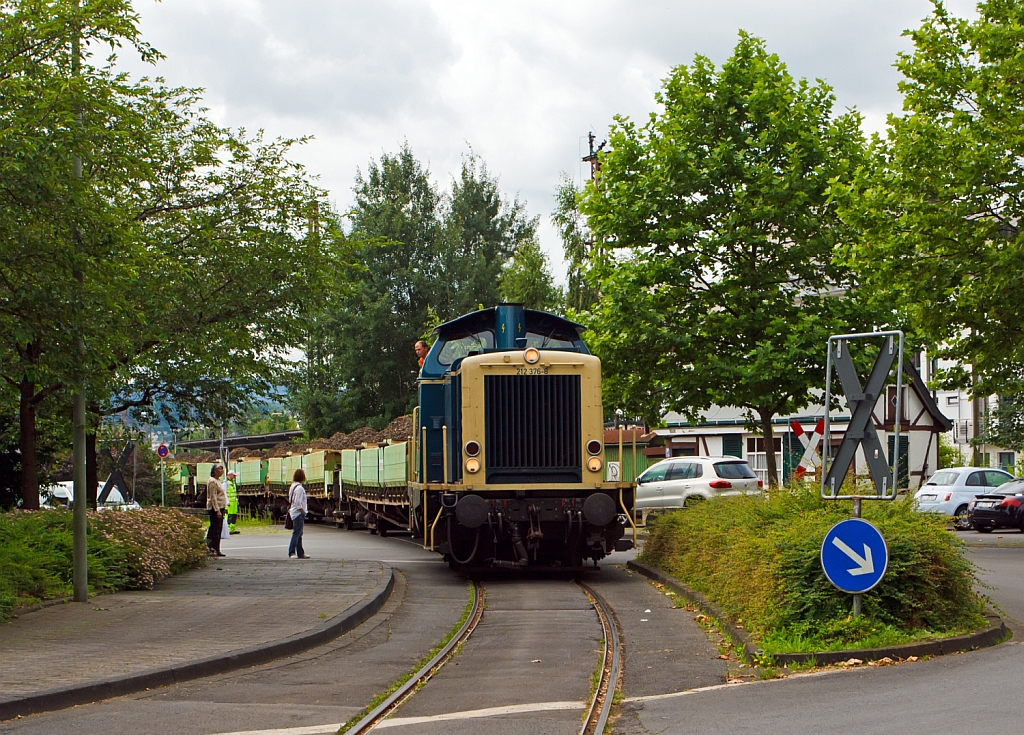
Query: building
(724, 431)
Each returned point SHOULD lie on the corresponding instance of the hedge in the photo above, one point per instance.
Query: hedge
(758, 559)
(127, 550)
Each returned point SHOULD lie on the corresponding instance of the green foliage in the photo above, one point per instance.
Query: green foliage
(576, 246)
(176, 250)
(527, 280)
(715, 236)
(759, 560)
(127, 550)
(940, 203)
(423, 257)
(949, 453)
(1004, 426)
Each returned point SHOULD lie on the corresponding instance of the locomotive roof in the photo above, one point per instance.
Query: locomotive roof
(486, 317)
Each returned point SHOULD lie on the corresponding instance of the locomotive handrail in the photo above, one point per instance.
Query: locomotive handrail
(434, 526)
(629, 516)
(444, 451)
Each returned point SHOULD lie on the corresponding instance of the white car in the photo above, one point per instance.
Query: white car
(677, 482)
(949, 491)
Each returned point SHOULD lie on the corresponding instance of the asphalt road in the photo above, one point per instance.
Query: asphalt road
(970, 693)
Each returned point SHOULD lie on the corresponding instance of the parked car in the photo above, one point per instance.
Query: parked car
(1001, 508)
(950, 491)
(678, 482)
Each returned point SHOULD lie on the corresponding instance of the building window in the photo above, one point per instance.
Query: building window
(758, 458)
(1006, 461)
(732, 445)
(952, 400)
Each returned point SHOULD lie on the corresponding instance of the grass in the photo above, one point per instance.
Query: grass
(758, 559)
(249, 519)
(376, 701)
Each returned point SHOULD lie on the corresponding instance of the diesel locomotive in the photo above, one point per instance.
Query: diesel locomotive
(507, 465)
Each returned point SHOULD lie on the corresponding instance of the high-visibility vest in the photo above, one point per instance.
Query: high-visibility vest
(232, 492)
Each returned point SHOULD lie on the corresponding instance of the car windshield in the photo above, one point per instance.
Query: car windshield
(457, 347)
(734, 471)
(943, 478)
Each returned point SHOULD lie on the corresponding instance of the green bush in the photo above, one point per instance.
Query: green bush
(758, 559)
(127, 550)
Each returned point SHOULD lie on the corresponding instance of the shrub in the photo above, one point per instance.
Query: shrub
(127, 550)
(758, 558)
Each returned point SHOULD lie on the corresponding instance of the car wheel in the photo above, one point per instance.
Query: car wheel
(691, 500)
(983, 529)
(961, 519)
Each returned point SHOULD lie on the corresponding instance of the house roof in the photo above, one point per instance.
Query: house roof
(925, 395)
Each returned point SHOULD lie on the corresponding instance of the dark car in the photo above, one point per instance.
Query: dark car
(999, 508)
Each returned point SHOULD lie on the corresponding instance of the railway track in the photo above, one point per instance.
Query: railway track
(611, 666)
(601, 702)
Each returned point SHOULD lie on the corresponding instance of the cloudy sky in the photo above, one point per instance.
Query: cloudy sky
(520, 82)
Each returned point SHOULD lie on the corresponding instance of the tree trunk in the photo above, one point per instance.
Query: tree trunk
(27, 445)
(769, 446)
(91, 470)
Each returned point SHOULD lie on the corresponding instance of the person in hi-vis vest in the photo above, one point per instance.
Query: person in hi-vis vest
(232, 491)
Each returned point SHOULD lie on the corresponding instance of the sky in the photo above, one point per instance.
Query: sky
(519, 83)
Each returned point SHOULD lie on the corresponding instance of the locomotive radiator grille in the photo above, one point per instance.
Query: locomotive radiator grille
(532, 428)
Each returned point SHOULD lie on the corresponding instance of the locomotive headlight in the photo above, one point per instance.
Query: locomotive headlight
(472, 465)
(472, 448)
(531, 355)
(594, 464)
(594, 446)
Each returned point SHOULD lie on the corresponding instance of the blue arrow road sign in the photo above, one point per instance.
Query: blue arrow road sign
(854, 555)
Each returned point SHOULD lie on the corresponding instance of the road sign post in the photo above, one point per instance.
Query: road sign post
(162, 452)
(855, 540)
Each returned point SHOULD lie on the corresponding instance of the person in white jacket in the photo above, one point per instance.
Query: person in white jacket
(297, 509)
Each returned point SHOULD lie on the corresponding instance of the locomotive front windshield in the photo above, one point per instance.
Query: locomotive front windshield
(459, 346)
(551, 340)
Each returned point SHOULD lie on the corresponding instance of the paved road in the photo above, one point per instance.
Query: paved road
(114, 634)
(324, 685)
(971, 692)
(535, 647)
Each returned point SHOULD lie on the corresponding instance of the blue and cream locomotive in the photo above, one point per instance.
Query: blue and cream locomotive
(507, 465)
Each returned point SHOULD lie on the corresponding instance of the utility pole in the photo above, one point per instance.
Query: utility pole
(80, 573)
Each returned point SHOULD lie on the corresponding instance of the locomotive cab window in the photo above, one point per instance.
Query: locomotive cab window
(554, 341)
(459, 346)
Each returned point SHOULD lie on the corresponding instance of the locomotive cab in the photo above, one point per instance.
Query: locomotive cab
(509, 467)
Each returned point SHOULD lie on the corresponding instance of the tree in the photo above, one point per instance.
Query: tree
(1004, 426)
(481, 232)
(527, 280)
(421, 256)
(941, 201)
(715, 271)
(54, 224)
(576, 243)
(192, 240)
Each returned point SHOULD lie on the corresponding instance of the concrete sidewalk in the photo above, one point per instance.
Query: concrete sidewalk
(233, 613)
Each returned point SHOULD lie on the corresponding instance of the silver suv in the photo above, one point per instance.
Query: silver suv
(678, 482)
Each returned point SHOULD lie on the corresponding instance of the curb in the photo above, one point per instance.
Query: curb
(64, 697)
(993, 634)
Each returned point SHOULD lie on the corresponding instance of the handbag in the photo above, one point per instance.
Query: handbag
(288, 522)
